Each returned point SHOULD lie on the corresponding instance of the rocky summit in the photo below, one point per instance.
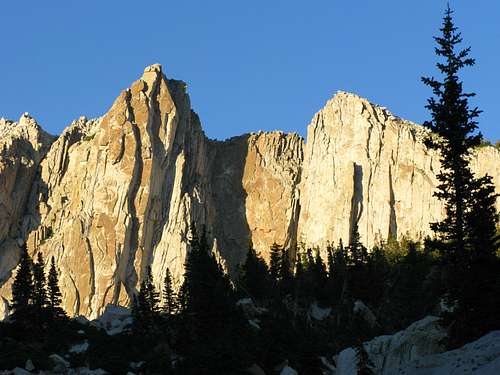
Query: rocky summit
(113, 195)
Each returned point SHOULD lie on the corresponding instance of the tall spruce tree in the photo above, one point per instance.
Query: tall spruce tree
(39, 288)
(453, 125)
(145, 309)
(213, 330)
(275, 261)
(169, 296)
(320, 278)
(285, 276)
(482, 220)
(358, 252)
(254, 276)
(54, 295)
(22, 287)
(468, 239)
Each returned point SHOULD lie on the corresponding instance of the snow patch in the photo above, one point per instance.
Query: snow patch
(288, 371)
(481, 357)
(319, 313)
(79, 348)
(390, 352)
(115, 320)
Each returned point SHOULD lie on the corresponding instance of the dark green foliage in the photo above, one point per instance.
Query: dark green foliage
(454, 124)
(39, 283)
(304, 285)
(285, 276)
(482, 220)
(54, 296)
(169, 296)
(22, 288)
(358, 254)
(275, 262)
(213, 332)
(467, 234)
(377, 273)
(254, 277)
(359, 282)
(406, 298)
(145, 308)
(337, 273)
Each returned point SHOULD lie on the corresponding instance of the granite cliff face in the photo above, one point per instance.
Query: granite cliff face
(362, 164)
(117, 194)
(23, 144)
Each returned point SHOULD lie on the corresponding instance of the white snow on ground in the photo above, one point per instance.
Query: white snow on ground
(365, 313)
(114, 320)
(417, 350)
(481, 357)
(288, 371)
(347, 362)
(392, 351)
(319, 313)
(80, 347)
(420, 338)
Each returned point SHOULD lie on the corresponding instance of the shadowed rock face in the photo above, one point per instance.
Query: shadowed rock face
(117, 194)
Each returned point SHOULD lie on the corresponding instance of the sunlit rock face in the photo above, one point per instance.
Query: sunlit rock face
(23, 144)
(115, 195)
(364, 165)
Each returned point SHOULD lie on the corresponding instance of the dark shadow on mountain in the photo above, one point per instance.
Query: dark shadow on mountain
(357, 197)
(230, 227)
(393, 224)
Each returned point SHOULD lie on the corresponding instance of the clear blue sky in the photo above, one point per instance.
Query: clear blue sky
(250, 65)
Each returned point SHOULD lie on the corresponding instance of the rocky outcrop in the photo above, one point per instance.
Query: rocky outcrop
(419, 350)
(23, 144)
(253, 182)
(117, 194)
(364, 165)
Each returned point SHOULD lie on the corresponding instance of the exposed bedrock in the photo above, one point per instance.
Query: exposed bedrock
(111, 196)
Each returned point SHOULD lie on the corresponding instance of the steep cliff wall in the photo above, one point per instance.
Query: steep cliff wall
(362, 164)
(253, 181)
(117, 194)
(23, 144)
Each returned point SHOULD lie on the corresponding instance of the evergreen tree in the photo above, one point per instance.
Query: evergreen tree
(299, 278)
(145, 306)
(453, 124)
(285, 276)
(405, 302)
(482, 220)
(358, 252)
(320, 278)
(337, 273)
(212, 336)
(275, 262)
(53, 292)
(330, 258)
(467, 234)
(182, 298)
(378, 272)
(305, 290)
(358, 269)
(22, 287)
(39, 283)
(153, 296)
(254, 276)
(169, 296)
